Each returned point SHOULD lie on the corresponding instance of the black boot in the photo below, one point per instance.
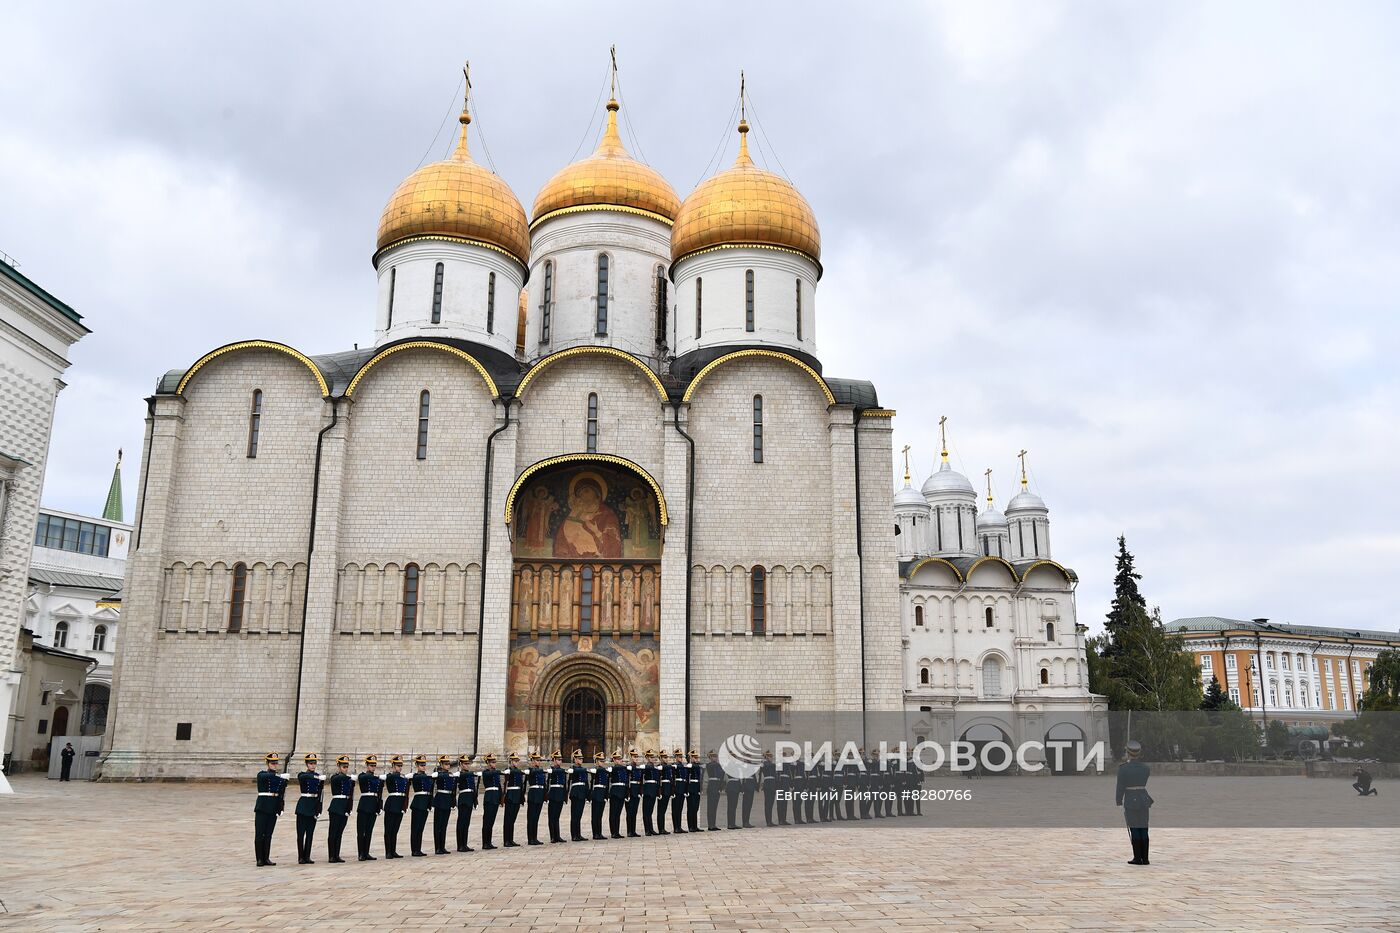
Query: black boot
(1144, 850)
(1137, 851)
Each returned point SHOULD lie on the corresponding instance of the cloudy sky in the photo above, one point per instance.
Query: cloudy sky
(1157, 245)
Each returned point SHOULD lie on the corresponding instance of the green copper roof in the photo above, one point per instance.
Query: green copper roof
(113, 510)
(24, 282)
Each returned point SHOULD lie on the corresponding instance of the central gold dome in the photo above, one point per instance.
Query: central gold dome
(609, 178)
(459, 200)
(746, 206)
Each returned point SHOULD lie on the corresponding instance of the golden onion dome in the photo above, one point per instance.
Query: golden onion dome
(746, 206)
(457, 199)
(608, 179)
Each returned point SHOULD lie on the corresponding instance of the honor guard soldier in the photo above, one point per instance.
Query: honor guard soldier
(490, 800)
(558, 792)
(371, 802)
(466, 801)
(849, 786)
(797, 777)
(578, 795)
(694, 785)
(308, 808)
(747, 788)
(813, 780)
(866, 785)
(1131, 794)
(513, 789)
(782, 783)
(598, 793)
(618, 783)
(634, 790)
(272, 788)
(824, 783)
(342, 793)
(666, 778)
(651, 786)
(444, 799)
(395, 805)
(679, 790)
(714, 786)
(420, 805)
(536, 787)
(768, 776)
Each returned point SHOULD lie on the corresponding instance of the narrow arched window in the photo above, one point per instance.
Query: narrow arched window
(60, 635)
(1049, 631)
(491, 303)
(758, 429)
(961, 546)
(585, 601)
(99, 638)
(236, 597)
(918, 615)
(799, 309)
(547, 306)
(1035, 537)
(592, 423)
(254, 424)
(661, 302)
(602, 329)
(698, 294)
(437, 294)
(409, 619)
(987, 614)
(1044, 675)
(923, 676)
(393, 279)
(423, 402)
(986, 545)
(748, 300)
(758, 584)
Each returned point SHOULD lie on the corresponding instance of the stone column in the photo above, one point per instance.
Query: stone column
(675, 485)
(495, 633)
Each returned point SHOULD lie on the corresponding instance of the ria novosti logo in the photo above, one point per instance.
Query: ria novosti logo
(740, 756)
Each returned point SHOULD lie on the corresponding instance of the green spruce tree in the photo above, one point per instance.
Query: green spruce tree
(1127, 598)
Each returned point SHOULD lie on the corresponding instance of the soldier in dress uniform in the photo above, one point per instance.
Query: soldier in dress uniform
(768, 777)
(1131, 794)
(598, 792)
(272, 788)
(837, 777)
(797, 775)
(420, 805)
(782, 788)
(694, 786)
(444, 799)
(634, 790)
(666, 778)
(714, 786)
(867, 777)
(490, 800)
(513, 789)
(578, 783)
(651, 786)
(558, 793)
(396, 789)
(371, 802)
(813, 779)
(466, 801)
(308, 808)
(680, 789)
(342, 793)
(619, 783)
(536, 786)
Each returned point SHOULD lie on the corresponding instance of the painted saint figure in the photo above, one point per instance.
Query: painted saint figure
(591, 528)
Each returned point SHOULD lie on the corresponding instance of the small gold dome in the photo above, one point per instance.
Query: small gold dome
(609, 178)
(457, 199)
(745, 206)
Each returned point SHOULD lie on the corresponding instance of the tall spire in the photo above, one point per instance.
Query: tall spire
(743, 158)
(112, 511)
(990, 506)
(611, 143)
(1022, 455)
(462, 154)
(943, 435)
(906, 464)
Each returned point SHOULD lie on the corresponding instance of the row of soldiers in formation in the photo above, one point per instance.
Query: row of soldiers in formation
(652, 787)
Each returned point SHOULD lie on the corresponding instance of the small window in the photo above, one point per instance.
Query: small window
(393, 279)
(661, 300)
(923, 676)
(423, 402)
(987, 614)
(758, 429)
(1235, 695)
(1230, 662)
(799, 309)
(991, 677)
(410, 599)
(547, 305)
(491, 303)
(602, 328)
(773, 714)
(758, 583)
(99, 638)
(585, 601)
(254, 423)
(1049, 631)
(236, 597)
(592, 444)
(183, 730)
(1206, 663)
(748, 300)
(1044, 675)
(43, 726)
(437, 294)
(698, 302)
(44, 698)
(918, 615)
(60, 635)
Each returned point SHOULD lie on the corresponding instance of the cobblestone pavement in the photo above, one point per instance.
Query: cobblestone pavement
(180, 857)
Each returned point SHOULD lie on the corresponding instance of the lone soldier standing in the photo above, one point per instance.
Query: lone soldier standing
(308, 808)
(514, 790)
(466, 801)
(599, 793)
(395, 803)
(578, 795)
(490, 800)
(420, 805)
(714, 785)
(680, 788)
(272, 787)
(1131, 794)
(558, 793)
(444, 799)
(371, 785)
(693, 788)
(537, 785)
(342, 793)
(768, 775)
(665, 781)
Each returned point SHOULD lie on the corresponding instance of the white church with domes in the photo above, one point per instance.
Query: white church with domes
(544, 510)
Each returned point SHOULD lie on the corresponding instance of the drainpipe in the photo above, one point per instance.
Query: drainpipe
(481, 599)
(689, 542)
(310, 549)
(860, 565)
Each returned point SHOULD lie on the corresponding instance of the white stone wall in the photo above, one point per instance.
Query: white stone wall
(468, 310)
(724, 317)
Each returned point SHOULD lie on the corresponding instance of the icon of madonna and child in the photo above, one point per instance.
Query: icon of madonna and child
(587, 514)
